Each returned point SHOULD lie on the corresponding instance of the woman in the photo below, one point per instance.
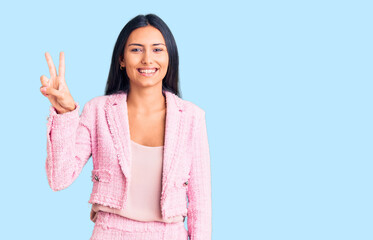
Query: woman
(149, 147)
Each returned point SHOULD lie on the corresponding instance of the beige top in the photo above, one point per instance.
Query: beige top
(143, 202)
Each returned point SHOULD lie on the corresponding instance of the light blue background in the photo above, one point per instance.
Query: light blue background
(287, 90)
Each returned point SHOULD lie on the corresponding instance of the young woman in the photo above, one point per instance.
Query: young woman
(150, 152)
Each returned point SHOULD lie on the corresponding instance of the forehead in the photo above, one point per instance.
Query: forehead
(146, 36)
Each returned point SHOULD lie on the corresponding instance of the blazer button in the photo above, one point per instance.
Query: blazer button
(186, 183)
(96, 178)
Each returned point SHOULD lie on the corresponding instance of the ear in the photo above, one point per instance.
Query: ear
(121, 61)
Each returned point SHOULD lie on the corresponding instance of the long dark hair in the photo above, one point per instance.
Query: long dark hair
(118, 80)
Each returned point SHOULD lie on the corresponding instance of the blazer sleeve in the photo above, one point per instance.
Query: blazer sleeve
(68, 146)
(199, 187)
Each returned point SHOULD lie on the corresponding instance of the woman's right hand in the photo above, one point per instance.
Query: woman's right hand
(55, 88)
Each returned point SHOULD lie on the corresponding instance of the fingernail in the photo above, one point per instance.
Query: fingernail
(44, 89)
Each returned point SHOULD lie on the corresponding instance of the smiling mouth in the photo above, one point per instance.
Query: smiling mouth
(147, 71)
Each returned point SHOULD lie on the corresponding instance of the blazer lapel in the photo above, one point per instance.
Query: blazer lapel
(117, 118)
(119, 130)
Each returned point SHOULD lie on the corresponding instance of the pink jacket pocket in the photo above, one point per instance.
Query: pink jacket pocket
(101, 175)
(181, 182)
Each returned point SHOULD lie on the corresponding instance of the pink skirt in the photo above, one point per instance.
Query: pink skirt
(115, 227)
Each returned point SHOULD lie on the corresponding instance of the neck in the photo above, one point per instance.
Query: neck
(146, 101)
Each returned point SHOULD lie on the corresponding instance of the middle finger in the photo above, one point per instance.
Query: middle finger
(61, 70)
(52, 68)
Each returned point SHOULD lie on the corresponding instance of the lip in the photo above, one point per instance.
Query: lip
(147, 68)
(147, 74)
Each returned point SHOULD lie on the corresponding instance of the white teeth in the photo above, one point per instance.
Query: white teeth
(147, 71)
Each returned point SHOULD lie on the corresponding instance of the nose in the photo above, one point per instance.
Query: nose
(146, 58)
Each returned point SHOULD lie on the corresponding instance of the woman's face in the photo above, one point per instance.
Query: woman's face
(145, 57)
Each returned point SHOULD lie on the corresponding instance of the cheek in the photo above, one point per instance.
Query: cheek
(131, 64)
(132, 59)
(164, 61)
(131, 71)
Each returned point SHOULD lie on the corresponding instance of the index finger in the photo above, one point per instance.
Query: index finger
(52, 68)
(61, 70)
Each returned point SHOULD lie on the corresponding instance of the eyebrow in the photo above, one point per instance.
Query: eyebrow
(138, 44)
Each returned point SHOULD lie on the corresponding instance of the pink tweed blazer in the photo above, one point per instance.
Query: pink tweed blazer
(102, 131)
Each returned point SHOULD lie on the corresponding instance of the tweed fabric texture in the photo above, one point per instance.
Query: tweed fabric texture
(112, 226)
(102, 131)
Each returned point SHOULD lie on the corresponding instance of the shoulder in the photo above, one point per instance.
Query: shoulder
(191, 110)
(95, 106)
(98, 102)
(188, 107)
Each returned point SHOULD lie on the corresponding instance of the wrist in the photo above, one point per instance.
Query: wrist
(66, 110)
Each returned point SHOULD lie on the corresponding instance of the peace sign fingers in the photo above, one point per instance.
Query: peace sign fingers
(61, 69)
(52, 68)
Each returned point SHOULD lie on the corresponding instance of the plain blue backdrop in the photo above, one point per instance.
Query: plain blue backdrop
(287, 90)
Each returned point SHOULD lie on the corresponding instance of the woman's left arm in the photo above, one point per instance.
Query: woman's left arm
(199, 188)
